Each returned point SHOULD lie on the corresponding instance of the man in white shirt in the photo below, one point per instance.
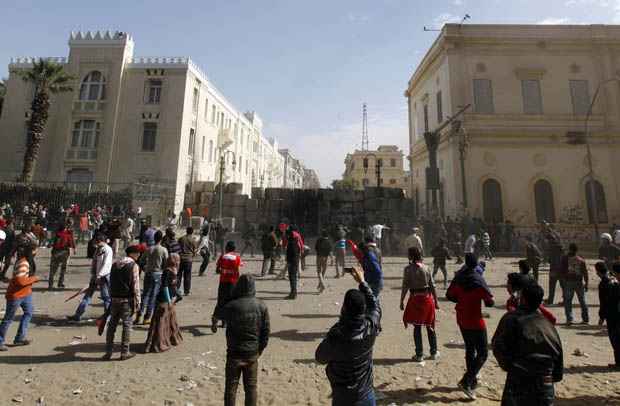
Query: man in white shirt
(414, 240)
(100, 277)
(377, 232)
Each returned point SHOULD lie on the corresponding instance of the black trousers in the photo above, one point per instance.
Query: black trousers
(476, 353)
(185, 276)
(417, 339)
(269, 263)
(613, 330)
(293, 275)
(234, 369)
(206, 255)
(528, 390)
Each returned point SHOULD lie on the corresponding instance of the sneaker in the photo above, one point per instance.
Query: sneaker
(3, 348)
(434, 356)
(126, 356)
(417, 358)
(107, 356)
(213, 326)
(468, 391)
(22, 343)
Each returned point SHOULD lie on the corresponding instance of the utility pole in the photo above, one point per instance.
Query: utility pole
(222, 168)
(365, 127)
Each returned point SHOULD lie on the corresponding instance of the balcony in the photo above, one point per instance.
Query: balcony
(78, 154)
(88, 106)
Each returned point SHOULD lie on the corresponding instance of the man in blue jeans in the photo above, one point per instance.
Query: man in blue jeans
(156, 259)
(100, 277)
(347, 348)
(574, 273)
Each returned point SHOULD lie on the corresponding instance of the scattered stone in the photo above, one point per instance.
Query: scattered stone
(579, 353)
(184, 378)
(77, 391)
(27, 380)
(18, 399)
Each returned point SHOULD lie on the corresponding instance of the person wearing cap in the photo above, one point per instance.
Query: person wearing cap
(101, 266)
(125, 294)
(608, 251)
(347, 348)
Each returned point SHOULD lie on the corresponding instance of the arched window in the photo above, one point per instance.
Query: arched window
(599, 198)
(492, 201)
(93, 87)
(543, 196)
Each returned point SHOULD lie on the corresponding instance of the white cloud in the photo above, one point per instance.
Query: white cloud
(554, 21)
(445, 18)
(325, 152)
(458, 2)
(357, 18)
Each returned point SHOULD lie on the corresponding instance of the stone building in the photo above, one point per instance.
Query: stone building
(361, 168)
(293, 171)
(311, 179)
(151, 121)
(517, 153)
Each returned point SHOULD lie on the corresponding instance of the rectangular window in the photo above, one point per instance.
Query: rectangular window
(425, 117)
(210, 151)
(532, 98)
(580, 96)
(153, 91)
(192, 142)
(439, 108)
(195, 101)
(149, 136)
(213, 113)
(206, 109)
(393, 162)
(202, 154)
(483, 96)
(240, 163)
(392, 181)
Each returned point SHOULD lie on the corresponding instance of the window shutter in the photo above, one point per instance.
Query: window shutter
(483, 96)
(580, 96)
(532, 99)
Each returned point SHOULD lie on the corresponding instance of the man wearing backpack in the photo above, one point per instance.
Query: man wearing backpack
(63, 243)
(574, 272)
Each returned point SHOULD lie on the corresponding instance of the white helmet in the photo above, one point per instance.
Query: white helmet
(606, 236)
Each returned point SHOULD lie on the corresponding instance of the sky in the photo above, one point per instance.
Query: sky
(306, 67)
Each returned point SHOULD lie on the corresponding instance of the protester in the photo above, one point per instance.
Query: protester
(7, 250)
(340, 251)
(376, 232)
(170, 243)
(514, 285)
(125, 296)
(63, 243)
(574, 273)
(323, 249)
(529, 349)
(164, 332)
(101, 266)
(127, 231)
(228, 265)
(524, 267)
(486, 246)
(422, 303)
(156, 258)
(555, 251)
(294, 249)
(347, 348)
(440, 254)
(248, 240)
(19, 294)
(373, 273)
(414, 240)
(608, 251)
(247, 335)
(269, 243)
(609, 310)
(468, 289)
(189, 248)
(533, 256)
(470, 244)
(204, 251)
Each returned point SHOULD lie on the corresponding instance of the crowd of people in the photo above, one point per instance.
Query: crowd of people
(141, 273)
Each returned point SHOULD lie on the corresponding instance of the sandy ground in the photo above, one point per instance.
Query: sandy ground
(62, 366)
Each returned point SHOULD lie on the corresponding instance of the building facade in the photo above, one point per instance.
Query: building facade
(153, 121)
(517, 152)
(293, 171)
(361, 168)
(311, 179)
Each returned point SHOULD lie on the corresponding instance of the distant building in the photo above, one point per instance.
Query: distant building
(132, 120)
(311, 179)
(516, 155)
(293, 171)
(360, 168)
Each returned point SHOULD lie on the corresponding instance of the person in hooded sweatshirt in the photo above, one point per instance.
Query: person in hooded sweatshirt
(247, 335)
(468, 290)
(347, 348)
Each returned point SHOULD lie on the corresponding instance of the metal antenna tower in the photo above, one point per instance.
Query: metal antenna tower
(364, 127)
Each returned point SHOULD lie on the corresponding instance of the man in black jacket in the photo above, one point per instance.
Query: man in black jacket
(323, 249)
(247, 335)
(347, 349)
(609, 310)
(528, 347)
(269, 242)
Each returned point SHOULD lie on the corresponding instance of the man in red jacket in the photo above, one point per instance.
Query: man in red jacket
(61, 248)
(468, 290)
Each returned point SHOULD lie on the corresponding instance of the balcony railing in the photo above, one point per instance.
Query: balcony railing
(88, 106)
(82, 154)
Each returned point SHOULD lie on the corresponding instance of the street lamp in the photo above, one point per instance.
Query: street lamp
(463, 143)
(378, 165)
(586, 140)
(222, 168)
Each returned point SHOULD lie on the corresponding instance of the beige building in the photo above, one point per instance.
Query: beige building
(529, 87)
(361, 168)
(153, 121)
(311, 179)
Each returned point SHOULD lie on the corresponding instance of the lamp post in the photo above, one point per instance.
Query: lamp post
(463, 143)
(222, 169)
(586, 140)
(378, 165)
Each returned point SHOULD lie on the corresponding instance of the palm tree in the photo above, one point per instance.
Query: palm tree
(2, 93)
(48, 78)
